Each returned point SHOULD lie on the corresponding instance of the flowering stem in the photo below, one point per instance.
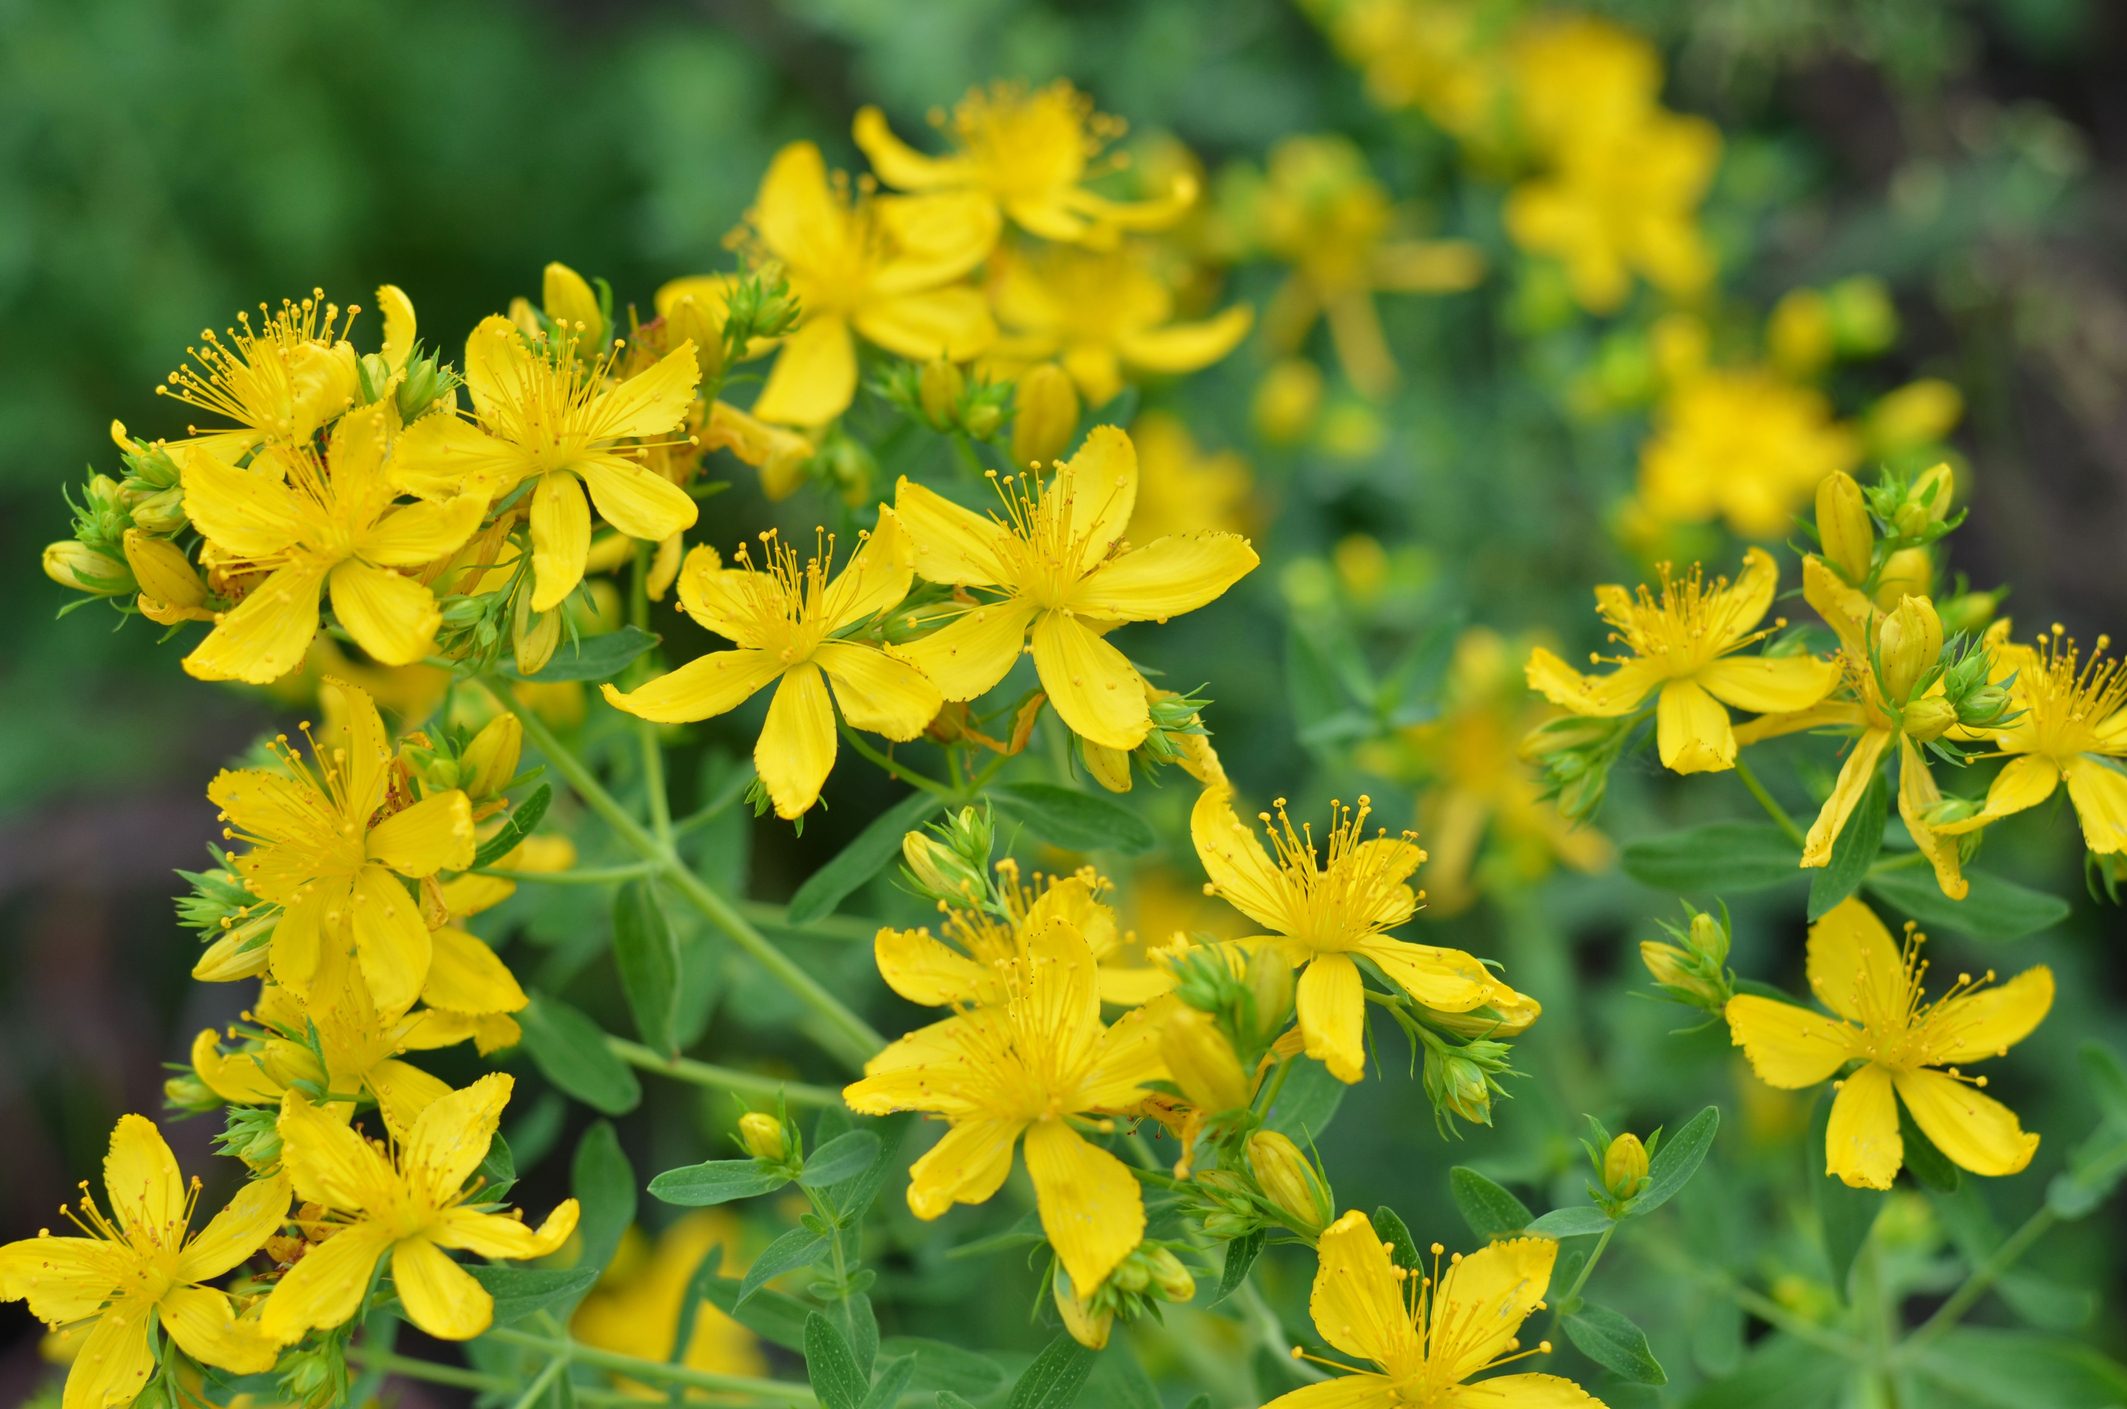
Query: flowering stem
(760, 1390)
(893, 769)
(1765, 800)
(848, 1035)
(745, 1083)
(1572, 1296)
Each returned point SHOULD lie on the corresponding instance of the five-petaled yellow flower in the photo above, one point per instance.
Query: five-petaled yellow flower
(1053, 568)
(792, 624)
(321, 851)
(318, 524)
(2072, 730)
(1902, 1041)
(1027, 155)
(411, 1203)
(136, 1265)
(886, 267)
(278, 382)
(548, 416)
(1682, 644)
(1325, 913)
(1037, 1063)
(1427, 1335)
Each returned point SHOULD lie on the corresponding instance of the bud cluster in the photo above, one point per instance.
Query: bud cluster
(1150, 1274)
(950, 861)
(1691, 967)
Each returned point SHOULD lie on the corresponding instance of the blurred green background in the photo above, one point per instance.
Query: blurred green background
(163, 164)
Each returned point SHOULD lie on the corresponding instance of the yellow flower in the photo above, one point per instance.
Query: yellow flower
(1682, 644)
(2072, 725)
(1882, 1021)
(1878, 723)
(791, 625)
(1326, 912)
(320, 850)
(886, 268)
(278, 383)
(778, 452)
(318, 524)
(547, 416)
(1052, 564)
(1323, 213)
(1037, 1063)
(1746, 446)
(1027, 155)
(1183, 488)
(136, 1266)
(635, 1308)
(1427, 1335)
(411, 1203)
(1100, 315)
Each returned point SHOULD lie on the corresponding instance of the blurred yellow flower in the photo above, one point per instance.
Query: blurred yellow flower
(1742, 445)
(1882, 1020)
(1182, 488)
(635, 1308)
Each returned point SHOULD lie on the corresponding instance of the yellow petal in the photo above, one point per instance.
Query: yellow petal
(204, 1325)
(1185, 347)
(561, 539)
(795, 208)
(1972, 1129)
(2099, 792)
(141, 1178)
(399, 324)
(702, 688)
(500, 370)
(815, 375)
(1364, 1390)
(796, 750)
(638, 502)
(1357, 1303)
(498, 1235)
(394, 618)
(391, 939)
(1100, 482)
(1743, 605)
(973, 651)
(651, 404)
(1482, 1300)
(466, 976)
(953, 323)
(1855, 967)
(878, 692)
(951, 545)
(1599, 696)
(115, 1360)
(63, 1279)
(1769, 684)
(452, 1136)
(938, 239)
(2024, 782)
(298, 947)
(442, 457)
(732, 602)
(1692, 730)
(1124, 1059)
(898, 164)
(402, 1092)
(239, 1230)
(420, 534)
(1972, 1027)
(1788, 1046)
(928, 1069)
(876, 579)
(1166, 577)
(967, 1166)
(1331, 1002)
(1446, 979)
(1095, 689)
(1862, 1145)
(247, 512)
(1240, 870)
(1917, 797)
(265, 635)
(440, 1296)
(1855, 776)
(326, 1286)
(1088, 1200)
(435, 834)
(924, 969)
(1519, 1392)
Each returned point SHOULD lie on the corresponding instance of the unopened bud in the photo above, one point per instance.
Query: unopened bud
(1505, 1014)
(1909, 572)
(534, 635)
(1457, 1086)
(1290, 1181)
(940, 872)
(1968, 613)
(1909, 643)
(1983, 707)
(763, 1137)
(186, 1092)
(1202, 1062)
(491, 758)
(939, 387)
(1929, 717)
(694, 317)
(1045, 415)
(1927, 501)
(163, 571)
(1709, 938)
(1169, 1276)
(1090, 1328)
(572, 305)
(162, 512)
(1845, 533)
(1625, 1167)
(76, 565)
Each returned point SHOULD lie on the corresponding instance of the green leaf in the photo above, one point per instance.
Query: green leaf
(716, 1181)
(515, 827)
(1306, 1102)
(1779, 1373)
(1928, 1165)
(1490, 1210)
(1993, 909)
(588, 657)
(1074, 820)
(1677, 1159)
(2107, 1076)
(498, 1168)
(858, 862)
(853, 1198)
(893, 1381)
(800, 1247)
(604, 1183)
(524, 1291)
(2095, 1168)
(570, 1051)
(1241, 1255)
(830, 1367)
(1720, 856)
(940, 1365)
(1055, 1378)
(2019, 1370)
(647, 955)
(949, 1400)
(1854, 852)
(844, 1157)
(1611, 1340)
(1329, 685)
(1391, 1229)
(1574, 1222)
(766, 1312)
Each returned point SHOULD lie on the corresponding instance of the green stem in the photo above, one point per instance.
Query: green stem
(1983, 1278)
(896, 770)
(542, 1381)
(850, 1037)
(409, 1367)
(744, 1083)
(1572, 1296)
(1765, 800)
(1763, 1307)
(851, 929)
(582, 876)
(654, 782)
(637, 1368)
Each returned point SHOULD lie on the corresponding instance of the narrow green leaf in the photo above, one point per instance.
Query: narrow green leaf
(940, 1365)
(604, 1183)
(589, 657)
(830, 1367)
(1727, 857)
(1854, 852)
(800, 1247)
(2019, 1370)
(844, 1157)
(893, 1381)
(766, 1312)
(1611, 1340)
(858, 862)
(1241, 1255)
(853, 1198)
(1572, 1222)
(647, 955)
(1992, 909)
(1391, 1229)
(1490, 1210)
(2107, 1076)
(570, 1051)
(1074, 820)
(1306, 1102)
(524, 1291)
(949, 1400)
(515, 827)
(1677, 1160)
(1055, 1378)
(716, 1181)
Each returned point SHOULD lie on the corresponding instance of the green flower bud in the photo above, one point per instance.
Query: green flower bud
(763, 1137)
(939, 387)
(491, 759)
(74, 564)
(1291, 1182)
(1929, 717)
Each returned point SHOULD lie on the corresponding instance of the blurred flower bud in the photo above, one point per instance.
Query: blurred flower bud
(763, 1137)
(240, 952)
(1289, 1179)
(939, 387)
(1087, 1326)
(1694, 969)
(938, 873)
(1045, 415)
(186, 1092)
(982, 418)
(1709, 938)
(76, 565)
(1288, 400)
(1908, 644)
(1270, 984)
(1914, 417)
(696, 318)
(1846, 536)
(850, 467)
(1968, 613)
(572, 305)
(1169, 1277)
(491, 758)
(1625, 1167)
(534, 635)
(1909, 572)
(1799, 334)
(1926, 501)
(1864, 321)
(424, 386)
(1202, 1062)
